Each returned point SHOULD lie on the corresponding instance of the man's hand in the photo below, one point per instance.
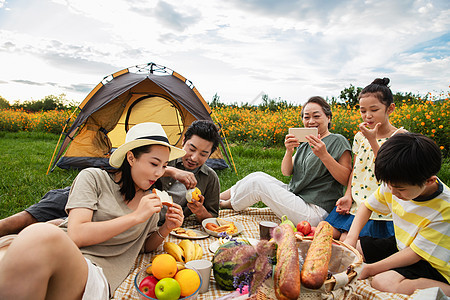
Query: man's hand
(185, 177)
(198, 209)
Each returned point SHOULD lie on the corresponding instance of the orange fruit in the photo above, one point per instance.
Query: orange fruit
(163, 266)
(196, 194)
(193, 195)
(189, 281)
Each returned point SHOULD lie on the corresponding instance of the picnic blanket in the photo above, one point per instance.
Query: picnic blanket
(364, 290)
(249, 218)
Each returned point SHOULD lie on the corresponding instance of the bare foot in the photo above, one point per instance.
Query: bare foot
(225, 195)
(225, 204)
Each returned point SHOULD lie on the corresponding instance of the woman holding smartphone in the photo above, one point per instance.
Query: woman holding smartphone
(320, 169)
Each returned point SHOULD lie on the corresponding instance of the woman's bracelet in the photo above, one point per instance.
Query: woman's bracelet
(159, 233)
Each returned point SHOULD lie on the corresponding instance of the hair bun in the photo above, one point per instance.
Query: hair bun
(385, 81)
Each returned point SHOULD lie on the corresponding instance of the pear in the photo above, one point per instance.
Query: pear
(285, 220)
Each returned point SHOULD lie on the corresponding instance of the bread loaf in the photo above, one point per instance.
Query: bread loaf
(287, 269)
(166, 199)
(315, 269)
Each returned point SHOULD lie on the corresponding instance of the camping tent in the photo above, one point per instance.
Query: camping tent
(144, 93)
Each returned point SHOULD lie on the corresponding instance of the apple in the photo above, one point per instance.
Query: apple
(313, 231)
(168, 289)
(299, 233)
(147, 286)
(304, 227)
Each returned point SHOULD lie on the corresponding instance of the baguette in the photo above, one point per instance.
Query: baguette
(287, 270)
(315, 269)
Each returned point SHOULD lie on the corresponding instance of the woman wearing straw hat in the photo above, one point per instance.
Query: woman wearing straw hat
(111, 218)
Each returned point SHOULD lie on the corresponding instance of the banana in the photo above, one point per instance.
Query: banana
(180, 266)
(174, 250)
(198, 251)
(188, 249)
(149, 270)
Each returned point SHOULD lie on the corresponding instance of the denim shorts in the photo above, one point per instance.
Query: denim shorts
(51, 206)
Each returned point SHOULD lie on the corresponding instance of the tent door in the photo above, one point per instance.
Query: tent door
(149, 108)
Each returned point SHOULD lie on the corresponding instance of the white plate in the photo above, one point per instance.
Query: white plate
(238, 225)
(214, 246)
(200, 235)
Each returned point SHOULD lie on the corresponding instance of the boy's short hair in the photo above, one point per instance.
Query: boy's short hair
(207, 130)
(408, 158)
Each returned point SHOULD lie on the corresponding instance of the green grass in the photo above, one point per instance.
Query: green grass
(250, 159)
(23, 164)
(444, 174)
(25, 157)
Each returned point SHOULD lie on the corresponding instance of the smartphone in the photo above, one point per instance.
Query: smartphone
(300, 133)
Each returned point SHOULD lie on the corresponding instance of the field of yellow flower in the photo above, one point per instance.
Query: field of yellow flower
(269, 128)
(20, 120)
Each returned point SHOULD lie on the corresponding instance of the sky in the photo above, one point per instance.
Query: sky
(238, 49)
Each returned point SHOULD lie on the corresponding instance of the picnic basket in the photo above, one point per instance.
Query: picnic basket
(344, 266)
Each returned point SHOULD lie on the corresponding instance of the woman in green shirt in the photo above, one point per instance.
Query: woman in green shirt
(320, 169)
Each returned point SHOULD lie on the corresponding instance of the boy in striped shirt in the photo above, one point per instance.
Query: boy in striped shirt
(418, 257)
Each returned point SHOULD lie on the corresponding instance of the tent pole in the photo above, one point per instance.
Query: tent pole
(228, 147)
(59, 140)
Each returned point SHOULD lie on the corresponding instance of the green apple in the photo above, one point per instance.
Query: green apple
(285, 220)
(168, 289)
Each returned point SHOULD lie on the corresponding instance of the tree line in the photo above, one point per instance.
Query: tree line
(48, 103)
(347, 97)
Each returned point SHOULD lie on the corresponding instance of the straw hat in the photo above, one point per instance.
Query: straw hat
(143, 134)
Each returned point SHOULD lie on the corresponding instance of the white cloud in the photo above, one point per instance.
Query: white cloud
(290, 49)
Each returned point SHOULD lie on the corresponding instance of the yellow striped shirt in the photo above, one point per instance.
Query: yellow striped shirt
(422, 225)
